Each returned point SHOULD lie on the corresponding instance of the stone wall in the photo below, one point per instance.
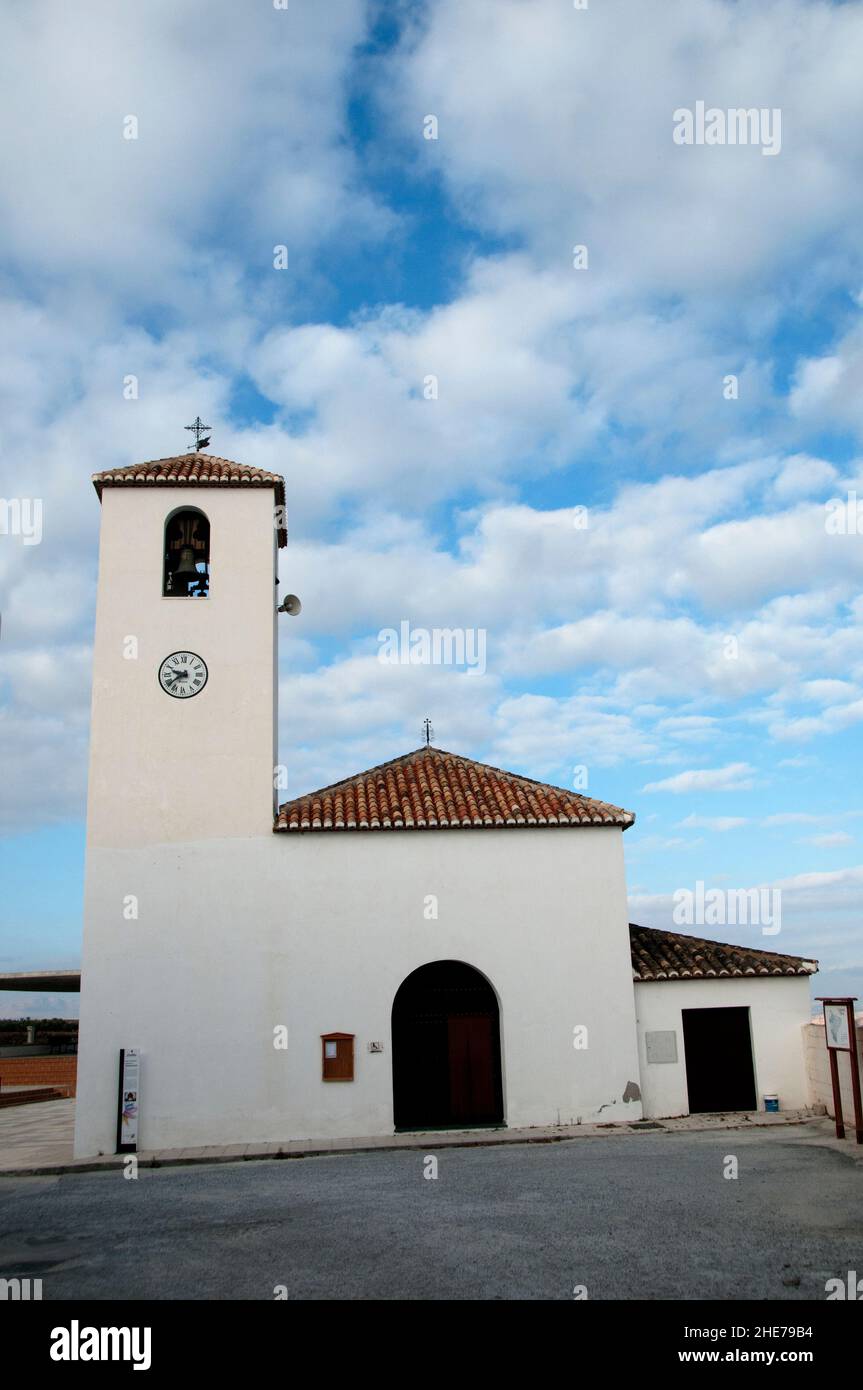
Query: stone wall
(818, 1069)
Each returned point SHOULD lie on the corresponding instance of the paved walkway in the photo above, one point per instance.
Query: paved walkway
(38, 1139)
(32, 1136)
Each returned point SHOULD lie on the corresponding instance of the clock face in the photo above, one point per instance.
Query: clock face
(183, 674)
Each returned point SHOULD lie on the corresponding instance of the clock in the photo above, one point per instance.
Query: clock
(183, 674)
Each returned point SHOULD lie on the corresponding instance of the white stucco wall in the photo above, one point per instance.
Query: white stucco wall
(778, 1009)
(164, 769)
(316, 932)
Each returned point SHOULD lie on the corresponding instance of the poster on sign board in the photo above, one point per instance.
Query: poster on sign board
(836, 1023)
(129, 1100)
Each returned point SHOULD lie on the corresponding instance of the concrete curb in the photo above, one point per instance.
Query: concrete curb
(429, 1141)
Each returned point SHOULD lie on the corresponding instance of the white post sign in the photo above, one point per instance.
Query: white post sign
(129, 1100)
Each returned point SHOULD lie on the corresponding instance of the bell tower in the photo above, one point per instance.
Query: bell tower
(183, 726)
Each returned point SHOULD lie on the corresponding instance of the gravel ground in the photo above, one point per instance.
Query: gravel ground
(648, 1217)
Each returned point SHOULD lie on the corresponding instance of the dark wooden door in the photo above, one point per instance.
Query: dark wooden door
(471, 1068)
(446, 1049)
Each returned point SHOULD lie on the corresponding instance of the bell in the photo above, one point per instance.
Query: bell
(186, 567)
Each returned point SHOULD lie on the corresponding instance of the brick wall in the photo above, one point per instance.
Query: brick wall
(39, 1071)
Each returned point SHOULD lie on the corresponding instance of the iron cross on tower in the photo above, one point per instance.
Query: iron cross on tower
(428, 731)
(199, 429)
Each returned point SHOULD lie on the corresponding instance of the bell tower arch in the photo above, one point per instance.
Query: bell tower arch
(186, 561)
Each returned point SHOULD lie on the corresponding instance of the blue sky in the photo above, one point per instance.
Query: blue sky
(697, 645)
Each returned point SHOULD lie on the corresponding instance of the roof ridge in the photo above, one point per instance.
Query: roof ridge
(431, 787)
(191, 456)
(730, 945)
(661, 955)
(446, 753)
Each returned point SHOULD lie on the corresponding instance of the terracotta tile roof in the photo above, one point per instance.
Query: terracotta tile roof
(668, 955)
(202, 470)
(431, 789)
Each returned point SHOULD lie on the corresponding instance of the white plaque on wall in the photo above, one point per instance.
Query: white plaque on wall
(661, 1046)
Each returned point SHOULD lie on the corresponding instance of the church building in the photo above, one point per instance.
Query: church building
(433, 943)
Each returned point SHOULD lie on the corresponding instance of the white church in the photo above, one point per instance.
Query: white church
(431, 944)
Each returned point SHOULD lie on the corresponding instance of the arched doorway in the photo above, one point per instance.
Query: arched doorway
(446, 1049)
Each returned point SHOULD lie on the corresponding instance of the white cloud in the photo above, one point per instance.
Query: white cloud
(815, 384)
(831, 721)
(829, 692)
(241, 127)
(826, 390)
(657, 844)
(719, 823)
(825, 891)
(801, 476)
(537, 731)
(732, 777)
(791, 818)
(585, 153)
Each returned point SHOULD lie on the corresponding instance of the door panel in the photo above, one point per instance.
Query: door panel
(471, 1068)
(719, 1071)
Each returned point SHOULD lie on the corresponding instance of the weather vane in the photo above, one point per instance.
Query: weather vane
(428, 731)
(199, 429)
